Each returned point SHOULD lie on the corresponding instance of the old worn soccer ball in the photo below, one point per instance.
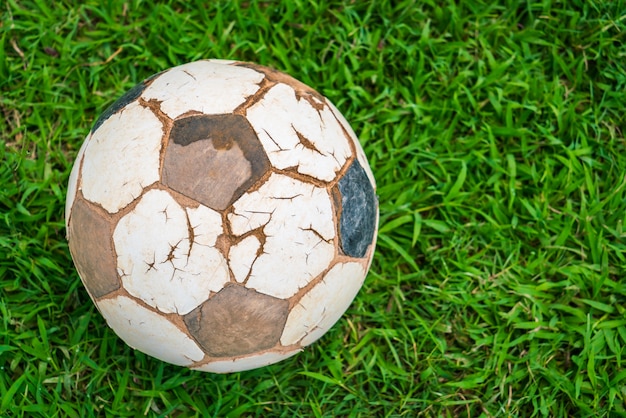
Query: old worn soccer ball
(221, 215)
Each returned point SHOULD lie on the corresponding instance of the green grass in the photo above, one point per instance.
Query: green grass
(496, 134)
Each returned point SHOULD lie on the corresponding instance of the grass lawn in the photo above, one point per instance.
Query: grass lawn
(496, 132)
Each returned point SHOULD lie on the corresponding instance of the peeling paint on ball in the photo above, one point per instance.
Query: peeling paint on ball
(221, 215)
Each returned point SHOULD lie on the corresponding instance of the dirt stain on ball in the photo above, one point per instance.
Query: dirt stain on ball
(213, 159)
(238, 321)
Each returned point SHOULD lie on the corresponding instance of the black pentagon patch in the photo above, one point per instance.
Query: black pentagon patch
(359, 204)
(120, 103)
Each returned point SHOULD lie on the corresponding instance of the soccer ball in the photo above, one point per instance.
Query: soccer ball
(221, 215)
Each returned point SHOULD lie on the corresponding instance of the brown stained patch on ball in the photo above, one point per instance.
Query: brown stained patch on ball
(238, 321)
(213, 159)
(92, 249)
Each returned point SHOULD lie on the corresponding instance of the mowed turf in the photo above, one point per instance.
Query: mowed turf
(496, 134)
